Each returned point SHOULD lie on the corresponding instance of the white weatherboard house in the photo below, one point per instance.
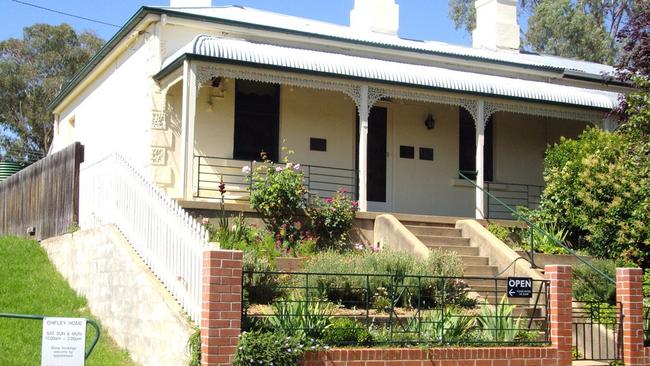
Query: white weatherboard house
(191, 93)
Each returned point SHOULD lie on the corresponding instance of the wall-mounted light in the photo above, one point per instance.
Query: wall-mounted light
(430, 123)
(217, 92)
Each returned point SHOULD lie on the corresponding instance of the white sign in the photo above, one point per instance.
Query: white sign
(64, 342)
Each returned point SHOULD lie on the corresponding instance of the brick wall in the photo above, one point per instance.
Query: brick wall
(221, 306)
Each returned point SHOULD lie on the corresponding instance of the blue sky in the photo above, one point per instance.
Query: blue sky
(419, 19)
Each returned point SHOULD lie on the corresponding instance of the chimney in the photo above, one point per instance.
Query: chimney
(496, 25)
(378, 16)
(190, 3)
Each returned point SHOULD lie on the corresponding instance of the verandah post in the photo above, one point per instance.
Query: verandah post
(480, 174)
(364, 113)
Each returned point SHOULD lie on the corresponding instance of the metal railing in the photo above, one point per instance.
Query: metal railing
(532, 228)
(513, 194)
(169, 241)
(92, 323)
(646, 325)
(212, 171)
(394, 309)
(597, 331)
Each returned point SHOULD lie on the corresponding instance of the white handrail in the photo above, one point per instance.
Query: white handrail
(166, 237)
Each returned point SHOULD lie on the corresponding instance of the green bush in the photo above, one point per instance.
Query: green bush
(194, 348)
(448, 325)
(544, 243)
(331, 219)
(589, 285)
(598, 186)
(498, 323)
(260, 288)
(269, 348)
(297, 317)
(347, 332)
(278, 194)
(391, 274)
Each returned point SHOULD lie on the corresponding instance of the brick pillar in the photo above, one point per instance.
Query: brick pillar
(221, 306)
(560, 315)
(629, 292)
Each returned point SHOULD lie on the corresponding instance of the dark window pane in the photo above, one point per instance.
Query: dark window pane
(257, 107)
(426, 153)
(316, 144)
(406, 152)
(467, 146)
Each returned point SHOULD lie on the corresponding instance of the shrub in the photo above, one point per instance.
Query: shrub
(331, 219)
(544, 243)
(298, 317)
(589, 285)
(278, 194)
(347, 332)
(497, 322)
(194, 348)
(448, 325)
(269, 348)
(598, 186)
(387, 274)
(260, 288)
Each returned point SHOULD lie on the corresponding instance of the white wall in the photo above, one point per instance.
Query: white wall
(114, 112)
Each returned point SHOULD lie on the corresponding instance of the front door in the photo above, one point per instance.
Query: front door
(377, 185)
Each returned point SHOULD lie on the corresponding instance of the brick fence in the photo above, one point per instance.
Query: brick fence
(220, 327)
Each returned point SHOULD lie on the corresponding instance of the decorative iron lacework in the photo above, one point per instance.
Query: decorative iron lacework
(536, 110)
(469, 104)
(205, 73)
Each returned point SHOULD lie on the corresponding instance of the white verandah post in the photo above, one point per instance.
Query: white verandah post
(187, 131)
(363, 148)
(480, 143)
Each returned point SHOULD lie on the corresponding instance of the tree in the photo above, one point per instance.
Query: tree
(554, 26)
(32, 72)
(598, 185)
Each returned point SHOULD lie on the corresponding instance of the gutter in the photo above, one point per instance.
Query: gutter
(178, 62)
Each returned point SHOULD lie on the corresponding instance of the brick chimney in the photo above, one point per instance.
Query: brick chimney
(376, 16)
(496, 25)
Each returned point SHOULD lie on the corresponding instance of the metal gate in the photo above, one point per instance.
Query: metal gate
(597, 331)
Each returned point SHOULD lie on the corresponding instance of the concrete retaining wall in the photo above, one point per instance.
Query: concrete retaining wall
(129, 301)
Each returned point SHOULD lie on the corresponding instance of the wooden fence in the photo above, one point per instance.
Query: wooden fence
(42, 200)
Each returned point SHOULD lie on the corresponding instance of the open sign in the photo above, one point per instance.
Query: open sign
(520, 287)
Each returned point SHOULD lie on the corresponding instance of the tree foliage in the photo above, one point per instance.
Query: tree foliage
(571, 28)
(32, 72)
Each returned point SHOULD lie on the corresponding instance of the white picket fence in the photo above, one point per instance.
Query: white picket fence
(167, 239)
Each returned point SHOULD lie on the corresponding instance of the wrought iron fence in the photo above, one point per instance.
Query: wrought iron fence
(646, 325)
(515, 195)
(212, 171)
(597, 331)
(351, 309)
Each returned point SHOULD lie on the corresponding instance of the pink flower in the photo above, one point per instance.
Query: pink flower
(355, 204)
(375, 247)
(278, 169)
(328, 199)
(343, 190)
(296, 167)
(246, 169)
(205, 221)
(359, 246)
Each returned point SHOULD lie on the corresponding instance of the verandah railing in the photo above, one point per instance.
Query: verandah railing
(395, 309)
(212, 171)
(167, 239)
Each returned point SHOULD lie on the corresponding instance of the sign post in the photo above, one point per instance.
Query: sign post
(520, 287)
(64, 342)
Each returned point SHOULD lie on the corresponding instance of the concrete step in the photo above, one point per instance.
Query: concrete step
(460, 250)
(443, 240)
(486, 271)
(433, 230)
(438, 224)
(475, 260)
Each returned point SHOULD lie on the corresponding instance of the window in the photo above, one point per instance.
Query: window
(257, 110)
(467, 147)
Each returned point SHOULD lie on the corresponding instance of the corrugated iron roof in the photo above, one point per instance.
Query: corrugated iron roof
(282, 21)
(392, 72)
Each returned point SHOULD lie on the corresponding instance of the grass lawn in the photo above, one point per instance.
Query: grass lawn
(29, 284)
